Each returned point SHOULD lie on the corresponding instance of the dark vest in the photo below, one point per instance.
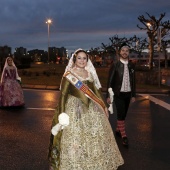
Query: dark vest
(116, 77)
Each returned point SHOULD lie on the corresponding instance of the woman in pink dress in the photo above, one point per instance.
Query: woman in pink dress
(11, 90)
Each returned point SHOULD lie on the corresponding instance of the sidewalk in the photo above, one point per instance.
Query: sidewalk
(42, 87)
(153, 91)
(147, 91)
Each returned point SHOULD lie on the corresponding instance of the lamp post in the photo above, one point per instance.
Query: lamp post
(148, 24)
(159, 51)
(150, 39)
(48, 22)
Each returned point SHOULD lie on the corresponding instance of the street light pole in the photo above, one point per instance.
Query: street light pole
(150, 41)
(49, 21)
(159, 51)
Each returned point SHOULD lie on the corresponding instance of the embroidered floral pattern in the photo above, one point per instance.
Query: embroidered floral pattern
(11, 91)
(88, 142)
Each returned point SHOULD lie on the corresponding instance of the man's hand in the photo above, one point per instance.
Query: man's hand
(133, 99)
(108, 100)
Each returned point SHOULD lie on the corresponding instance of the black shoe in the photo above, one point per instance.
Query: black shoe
(117, 132)
(125, 141)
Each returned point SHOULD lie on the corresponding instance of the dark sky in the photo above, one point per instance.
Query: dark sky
(76, 23)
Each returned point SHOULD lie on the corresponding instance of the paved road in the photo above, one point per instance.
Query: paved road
(148, 130)
(25, 132)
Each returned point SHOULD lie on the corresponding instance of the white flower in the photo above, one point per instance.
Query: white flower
(63, 119)
(63, 122)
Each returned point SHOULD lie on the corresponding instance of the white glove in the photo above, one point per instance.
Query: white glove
(19, 78)
(110, 109)
(111, 94)
(56, 129)
(63, 122)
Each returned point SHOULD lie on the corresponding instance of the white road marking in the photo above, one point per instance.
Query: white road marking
(156, 101)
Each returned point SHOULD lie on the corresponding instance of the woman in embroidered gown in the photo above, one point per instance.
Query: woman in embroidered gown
(11, 91)
(87, 143)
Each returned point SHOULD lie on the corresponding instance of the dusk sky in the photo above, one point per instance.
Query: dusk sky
(75, 23)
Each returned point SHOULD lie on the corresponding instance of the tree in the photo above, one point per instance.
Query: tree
(165, 45)
(116, 42)
(93, 52)
(151, 25)
(139, 44)
(108, 49)
(164, 42)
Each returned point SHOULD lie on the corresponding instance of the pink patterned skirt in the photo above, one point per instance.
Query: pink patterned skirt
(11, 94)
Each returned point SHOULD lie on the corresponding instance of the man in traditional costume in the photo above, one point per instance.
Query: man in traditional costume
(122, 82)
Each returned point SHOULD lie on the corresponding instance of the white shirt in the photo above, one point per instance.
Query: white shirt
(126, 79)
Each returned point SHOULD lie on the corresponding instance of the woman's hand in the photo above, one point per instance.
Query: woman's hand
(106, 112)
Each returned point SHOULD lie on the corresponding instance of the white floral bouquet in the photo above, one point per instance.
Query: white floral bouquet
(63, 119)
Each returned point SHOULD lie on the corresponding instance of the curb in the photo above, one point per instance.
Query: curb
(159, 91)
(41, 87)
(147, 91)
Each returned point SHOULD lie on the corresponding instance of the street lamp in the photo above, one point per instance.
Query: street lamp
(48, 22)
(159, 51)
(149, 25)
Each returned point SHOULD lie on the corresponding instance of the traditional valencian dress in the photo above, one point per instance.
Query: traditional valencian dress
(11, 90)
(87, 143)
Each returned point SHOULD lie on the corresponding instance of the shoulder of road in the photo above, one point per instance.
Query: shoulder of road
(45, 87)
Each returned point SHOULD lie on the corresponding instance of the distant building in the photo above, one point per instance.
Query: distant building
(20, 52)
(145, 56)
(5, 51)
(37, 55)
(57, 55)
(143, 59)
(53, 54)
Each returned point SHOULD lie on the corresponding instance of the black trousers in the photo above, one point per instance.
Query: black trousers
(122, 104)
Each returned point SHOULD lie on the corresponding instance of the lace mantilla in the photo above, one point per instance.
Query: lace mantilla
(89, 78)
(90, 68)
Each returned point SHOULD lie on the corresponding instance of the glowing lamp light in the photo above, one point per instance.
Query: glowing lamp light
(146, 97)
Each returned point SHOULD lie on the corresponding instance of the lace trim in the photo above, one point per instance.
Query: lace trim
(89, 78)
